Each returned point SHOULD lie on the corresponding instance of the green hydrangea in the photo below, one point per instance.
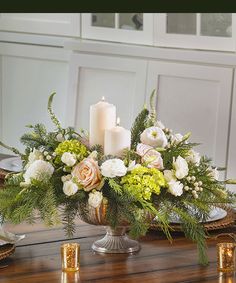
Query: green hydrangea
(72, 146)
(142, 182)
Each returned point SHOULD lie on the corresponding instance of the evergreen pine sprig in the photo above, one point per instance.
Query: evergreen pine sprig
(138, 127)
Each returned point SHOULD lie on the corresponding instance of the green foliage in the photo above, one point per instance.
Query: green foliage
(52, 115)
(138, 127)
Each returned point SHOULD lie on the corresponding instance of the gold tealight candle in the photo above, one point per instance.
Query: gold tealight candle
(70, 254)
(226, 257)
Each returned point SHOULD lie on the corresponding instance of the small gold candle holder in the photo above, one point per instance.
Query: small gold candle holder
(226, 257)
(70, 254)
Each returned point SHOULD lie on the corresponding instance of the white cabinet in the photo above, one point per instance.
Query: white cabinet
(120, 27)
(231, 166)
(194, 98)
(213, 31)
(121, 81)
(62, 24)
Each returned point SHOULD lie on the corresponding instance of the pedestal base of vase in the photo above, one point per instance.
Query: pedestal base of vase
(116, 242)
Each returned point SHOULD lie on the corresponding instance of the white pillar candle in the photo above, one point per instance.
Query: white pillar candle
(102, 117)
(116, 140)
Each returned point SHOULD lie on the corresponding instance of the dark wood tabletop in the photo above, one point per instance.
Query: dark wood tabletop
(37, 259)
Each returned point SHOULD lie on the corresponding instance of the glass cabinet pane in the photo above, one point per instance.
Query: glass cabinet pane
(133, 21)
(216, 24)
(181, 23)
(103, 20)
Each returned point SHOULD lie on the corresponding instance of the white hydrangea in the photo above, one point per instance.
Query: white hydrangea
(38, 170)
(181, 167)
(113, 168)
(95, 199)
(70, 188)
(175, 188)
(193, 157)
(68, 159)
(154, 136)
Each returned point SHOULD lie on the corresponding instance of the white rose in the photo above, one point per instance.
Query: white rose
(214, 173)
(181, 167)
(39, 170)
(150, 156)
(68, 158)
(169, 175)
(177, 138)
(70, 188)
(60, 138)
(154, 137)
(159, 124)
(193, 157)
(113, 167)
(175, 188)
(34, 155)
(95, 199)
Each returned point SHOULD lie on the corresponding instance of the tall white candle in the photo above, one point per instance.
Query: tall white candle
(102, 117)
(116, 140)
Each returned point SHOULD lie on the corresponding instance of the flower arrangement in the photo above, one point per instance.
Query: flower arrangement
(160, 174)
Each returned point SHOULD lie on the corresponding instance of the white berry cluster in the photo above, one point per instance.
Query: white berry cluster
(194, 186)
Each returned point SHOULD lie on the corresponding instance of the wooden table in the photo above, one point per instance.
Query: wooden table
(37, 259)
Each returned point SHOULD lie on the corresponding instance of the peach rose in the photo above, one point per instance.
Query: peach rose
(87, 174)
(150, 156)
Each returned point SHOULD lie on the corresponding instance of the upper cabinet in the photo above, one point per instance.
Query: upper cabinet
(119, 27)
(212, 31)
(61, 24)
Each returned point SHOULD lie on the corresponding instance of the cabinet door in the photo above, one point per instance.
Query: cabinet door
(122, 27)
(213, 31)
(194, 98)
(231, 166)
(63, 24)
(120, 81)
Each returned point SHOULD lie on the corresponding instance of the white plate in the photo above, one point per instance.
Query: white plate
(7, 237)
(214, 215)
(12, 164)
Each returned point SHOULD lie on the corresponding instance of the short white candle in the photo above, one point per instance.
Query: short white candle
(116, 140)
(102, 117)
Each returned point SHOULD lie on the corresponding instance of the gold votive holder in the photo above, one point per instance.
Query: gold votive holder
(70, 254)
(226, 257)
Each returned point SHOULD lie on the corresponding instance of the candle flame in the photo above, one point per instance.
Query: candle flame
(118, 121)
(103, 98)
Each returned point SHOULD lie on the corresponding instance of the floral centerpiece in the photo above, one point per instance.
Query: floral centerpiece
(158, 175)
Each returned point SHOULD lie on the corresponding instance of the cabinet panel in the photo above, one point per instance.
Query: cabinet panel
(231, 166)
(26, 86)
(64, 24)
(197, 99)
(120, 81)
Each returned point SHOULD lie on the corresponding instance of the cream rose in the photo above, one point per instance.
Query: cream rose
(154, 137)
(95, 199)
(70, 188)
(169, 175)
(181, 167)
(150, 156)
(87, 174)
(68, 159)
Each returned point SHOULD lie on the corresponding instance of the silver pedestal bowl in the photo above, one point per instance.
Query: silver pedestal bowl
(116, 240)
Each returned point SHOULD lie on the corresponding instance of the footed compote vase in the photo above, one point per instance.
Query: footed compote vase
(116, 240)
